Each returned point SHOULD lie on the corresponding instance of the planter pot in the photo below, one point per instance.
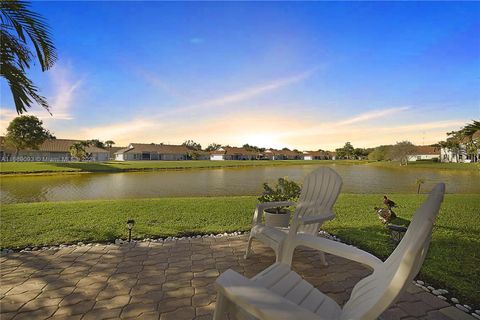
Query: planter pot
(277, 219)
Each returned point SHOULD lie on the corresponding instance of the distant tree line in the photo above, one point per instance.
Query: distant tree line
(401, 151)
(351, 153)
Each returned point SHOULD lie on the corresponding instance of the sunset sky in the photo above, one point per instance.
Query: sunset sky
(273, 74)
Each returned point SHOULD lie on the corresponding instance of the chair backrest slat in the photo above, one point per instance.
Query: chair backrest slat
(319, 192)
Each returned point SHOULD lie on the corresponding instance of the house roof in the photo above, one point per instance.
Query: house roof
(427, 150)
(282, 152)
(318, 153)
(113, 150)
(54, 145)
(235, 151)
(156, 148)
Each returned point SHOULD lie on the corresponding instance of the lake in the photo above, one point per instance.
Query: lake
(222, 182)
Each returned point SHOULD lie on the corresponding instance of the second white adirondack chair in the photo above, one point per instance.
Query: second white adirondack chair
(279, 293)
(319, 192)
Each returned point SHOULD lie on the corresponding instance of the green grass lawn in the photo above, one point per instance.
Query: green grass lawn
(452, 262)
(119, 166)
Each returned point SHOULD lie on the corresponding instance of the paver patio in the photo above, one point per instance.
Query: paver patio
(170, 280)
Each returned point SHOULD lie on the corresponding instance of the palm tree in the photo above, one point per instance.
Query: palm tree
(19, 28)
(470, 129)
(77, 150)
(419, 183)
(109, 143)
(472, 144)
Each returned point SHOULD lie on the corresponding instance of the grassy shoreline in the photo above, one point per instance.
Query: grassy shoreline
(51, 168)
(14, 168)
(427, 165)
(452, 261)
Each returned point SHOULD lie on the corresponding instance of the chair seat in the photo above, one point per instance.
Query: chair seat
(272, 233)
(271, 236)
(281, 280)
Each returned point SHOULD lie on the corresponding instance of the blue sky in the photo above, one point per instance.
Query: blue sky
(305, 75)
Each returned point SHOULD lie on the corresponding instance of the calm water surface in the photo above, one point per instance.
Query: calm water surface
(222, 181)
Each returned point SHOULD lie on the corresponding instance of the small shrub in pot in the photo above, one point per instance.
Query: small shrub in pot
(284, 190)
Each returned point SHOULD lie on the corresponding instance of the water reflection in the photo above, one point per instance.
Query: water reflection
(222, 181)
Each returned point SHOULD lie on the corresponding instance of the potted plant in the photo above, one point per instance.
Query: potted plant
(284, 190)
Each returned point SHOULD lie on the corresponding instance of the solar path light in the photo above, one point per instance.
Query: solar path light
(130, 224)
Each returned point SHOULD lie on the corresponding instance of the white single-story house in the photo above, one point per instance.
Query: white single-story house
(318, 155)
(274, 154)
(56, 150)
(234, 153)
(460, 155)
(425, 153)
(143, 151)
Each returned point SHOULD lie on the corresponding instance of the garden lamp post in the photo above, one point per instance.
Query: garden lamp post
(130, 224)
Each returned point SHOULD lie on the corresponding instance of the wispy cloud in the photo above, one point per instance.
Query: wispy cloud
(61, 101)
(246, 94)
(122, 132)
(65, 88)
(219, 101)
(156, 81)
(375, 114)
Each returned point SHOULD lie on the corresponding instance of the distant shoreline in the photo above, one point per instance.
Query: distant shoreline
(62, 168)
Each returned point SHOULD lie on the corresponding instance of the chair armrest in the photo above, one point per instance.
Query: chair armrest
(259, 301)
(275, 204)
(316, 219)
(338, 249)
(257, 216)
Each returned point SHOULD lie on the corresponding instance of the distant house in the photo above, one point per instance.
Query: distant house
(50, 150)
(460, 155)
(425, 153)
(273, 154)
(234, 153)
(143, 151)
(112, 151)
(318, 155)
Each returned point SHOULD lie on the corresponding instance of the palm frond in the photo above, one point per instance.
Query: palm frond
(470, 129)
(18, 15)
(12, 49)
(22, 88)
(18, 27)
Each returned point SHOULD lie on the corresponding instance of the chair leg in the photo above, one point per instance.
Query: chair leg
(285, 254)
(221, 307)
(249, 245)
(323, 259)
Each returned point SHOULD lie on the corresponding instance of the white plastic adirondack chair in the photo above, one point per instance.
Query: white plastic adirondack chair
(279, 293)
(319, 192)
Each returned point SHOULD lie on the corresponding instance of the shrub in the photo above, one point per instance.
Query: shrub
(284, 190)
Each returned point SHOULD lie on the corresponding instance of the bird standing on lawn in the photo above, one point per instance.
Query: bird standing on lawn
(389, 203)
